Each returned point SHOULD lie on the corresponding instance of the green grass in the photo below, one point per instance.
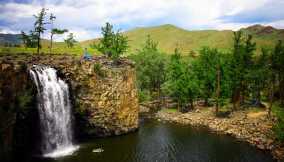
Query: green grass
(170, 37)
(58, 48)
(173, 110)
(278, 128)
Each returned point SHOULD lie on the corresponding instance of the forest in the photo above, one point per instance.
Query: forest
(237, 80)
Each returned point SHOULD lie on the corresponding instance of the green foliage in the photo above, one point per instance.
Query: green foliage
(150, 67)
(56, 31)
(241, 66)
(205, 68)
(278, 128)
(260, 76)
(278, 68)
(181, 82)
(113, 44)
(70, 41)
(170, 110)
(39, 26)
(144, 95)
(98, 70)
(29, 41)
(24, 100)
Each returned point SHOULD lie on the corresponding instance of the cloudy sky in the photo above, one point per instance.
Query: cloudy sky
(85, 17)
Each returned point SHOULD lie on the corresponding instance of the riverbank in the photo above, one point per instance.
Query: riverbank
(252, 127)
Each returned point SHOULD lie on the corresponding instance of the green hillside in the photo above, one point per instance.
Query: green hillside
(170, 36)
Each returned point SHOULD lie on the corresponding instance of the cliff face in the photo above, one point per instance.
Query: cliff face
(104, 95)
(16, 110)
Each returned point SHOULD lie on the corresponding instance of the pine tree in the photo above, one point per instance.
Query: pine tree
(241, 67)
(39, 26)
(278, 68)
(150, 65)
(205, 70)
(70, 41)
(181, 82)
(113, 44)
(51, 19)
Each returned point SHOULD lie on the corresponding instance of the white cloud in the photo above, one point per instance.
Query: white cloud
(5, 30)
(85, 17)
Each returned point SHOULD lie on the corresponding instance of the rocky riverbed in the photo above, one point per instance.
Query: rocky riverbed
(252, 127)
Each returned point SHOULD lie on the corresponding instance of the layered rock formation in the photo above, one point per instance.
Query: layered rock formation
(103, 94)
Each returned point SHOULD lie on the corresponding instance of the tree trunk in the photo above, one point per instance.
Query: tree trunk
(218, 89)
(51, 39)
(271, 96)
(38, 43)
(281, 91)
(236, 99)
(191, 104)
(206, 102)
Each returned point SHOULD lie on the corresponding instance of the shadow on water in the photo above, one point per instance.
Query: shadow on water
(165, 142)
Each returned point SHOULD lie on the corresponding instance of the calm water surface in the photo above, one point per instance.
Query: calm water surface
(165, 142)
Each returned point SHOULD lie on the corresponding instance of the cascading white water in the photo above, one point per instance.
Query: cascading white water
(54, 108)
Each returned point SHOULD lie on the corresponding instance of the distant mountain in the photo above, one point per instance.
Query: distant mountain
(170, 37)
(11, 39)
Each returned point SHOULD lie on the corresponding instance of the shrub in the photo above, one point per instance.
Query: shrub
(98, 70)
(278, 128)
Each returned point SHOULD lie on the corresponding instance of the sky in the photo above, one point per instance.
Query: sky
(84, 18)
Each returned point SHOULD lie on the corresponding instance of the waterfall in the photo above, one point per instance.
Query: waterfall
(54, 109)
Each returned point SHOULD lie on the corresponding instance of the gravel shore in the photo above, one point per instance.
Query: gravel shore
(252, 127)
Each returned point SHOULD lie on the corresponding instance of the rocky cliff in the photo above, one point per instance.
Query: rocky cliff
(103, 94)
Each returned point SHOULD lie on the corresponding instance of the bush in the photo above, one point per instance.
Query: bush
(144, 96)
(98, 70)
(278, 128)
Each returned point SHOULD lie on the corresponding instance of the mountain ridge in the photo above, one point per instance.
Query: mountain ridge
(169, 37)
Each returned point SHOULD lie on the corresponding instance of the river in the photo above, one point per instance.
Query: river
(165, 142)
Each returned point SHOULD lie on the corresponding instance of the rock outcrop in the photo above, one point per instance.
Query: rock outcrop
(103, 94)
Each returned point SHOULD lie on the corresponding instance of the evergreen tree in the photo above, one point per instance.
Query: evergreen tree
(113, 44)
(259, 76)
(205, 68)
(181, 82)
(241, 67)
(150, 66)
(55, 31)
(70, 41)
(29, 40)
(39, 26)
(25, 38)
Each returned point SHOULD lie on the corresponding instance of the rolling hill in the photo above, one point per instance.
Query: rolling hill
(169, 37)
(10, 39)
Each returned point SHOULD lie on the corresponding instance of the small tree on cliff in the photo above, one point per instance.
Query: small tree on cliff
(39, 26)
(113, 44)
(54, 31)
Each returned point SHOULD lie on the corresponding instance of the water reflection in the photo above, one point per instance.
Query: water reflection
(160, 142)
